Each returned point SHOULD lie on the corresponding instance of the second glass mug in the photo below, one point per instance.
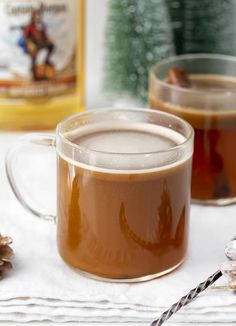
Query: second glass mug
(123, 191)
(209, 106)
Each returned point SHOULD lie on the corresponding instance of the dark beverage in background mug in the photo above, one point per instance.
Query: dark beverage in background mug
(210, 107)
(123, 193)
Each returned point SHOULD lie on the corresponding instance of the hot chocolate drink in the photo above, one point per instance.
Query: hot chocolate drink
(123, 206)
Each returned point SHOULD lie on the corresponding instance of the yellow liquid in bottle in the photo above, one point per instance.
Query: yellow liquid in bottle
(42, 79)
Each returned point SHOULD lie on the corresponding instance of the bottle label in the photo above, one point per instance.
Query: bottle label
(38, 48)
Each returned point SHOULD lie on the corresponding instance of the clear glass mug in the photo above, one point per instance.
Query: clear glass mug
(122, 198)
(210, 107)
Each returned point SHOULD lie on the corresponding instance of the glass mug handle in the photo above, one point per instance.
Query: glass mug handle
(11, 156)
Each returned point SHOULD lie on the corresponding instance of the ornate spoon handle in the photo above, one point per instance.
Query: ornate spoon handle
(187, 298)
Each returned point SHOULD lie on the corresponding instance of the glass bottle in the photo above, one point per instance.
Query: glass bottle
(41, 62)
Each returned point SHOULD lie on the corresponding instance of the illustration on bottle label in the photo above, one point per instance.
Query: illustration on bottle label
(38, 48)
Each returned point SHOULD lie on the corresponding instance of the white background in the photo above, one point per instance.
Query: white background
(95, 27)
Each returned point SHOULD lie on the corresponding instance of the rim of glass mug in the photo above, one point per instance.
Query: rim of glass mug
(113, 110)
(64, 144)
(185, 57)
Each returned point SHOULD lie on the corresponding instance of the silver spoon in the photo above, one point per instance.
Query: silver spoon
(230, 252)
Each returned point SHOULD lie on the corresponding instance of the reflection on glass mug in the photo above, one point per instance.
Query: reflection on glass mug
(123, 191)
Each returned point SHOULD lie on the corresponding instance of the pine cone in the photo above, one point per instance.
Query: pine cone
(6, 254)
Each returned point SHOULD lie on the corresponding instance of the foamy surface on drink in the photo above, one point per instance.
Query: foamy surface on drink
(125, 147)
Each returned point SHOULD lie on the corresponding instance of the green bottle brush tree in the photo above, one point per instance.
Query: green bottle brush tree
(139, 33)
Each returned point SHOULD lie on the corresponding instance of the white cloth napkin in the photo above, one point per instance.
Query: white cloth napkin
(42, 287)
